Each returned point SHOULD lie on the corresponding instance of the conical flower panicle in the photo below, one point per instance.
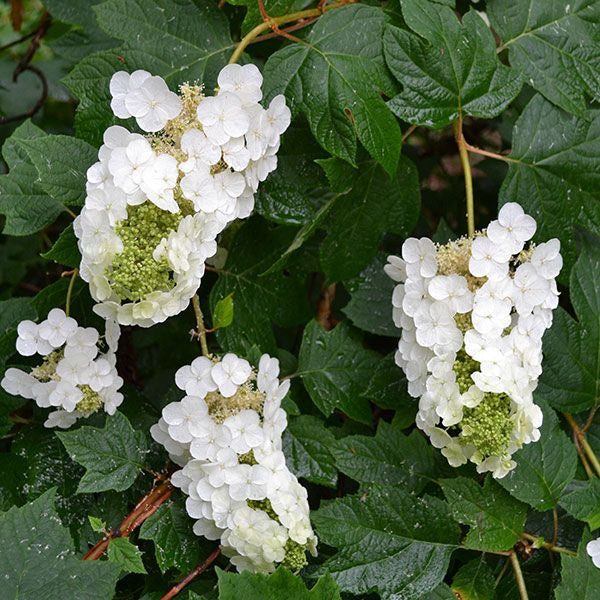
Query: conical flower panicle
(157, 202)
(226, 435)
(472, 314)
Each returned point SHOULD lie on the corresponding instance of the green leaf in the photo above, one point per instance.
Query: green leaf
(65, 250)
(278, 585)
(387, 388)
(126, 554)
(259, 301)
(554, 45)
(336, 79)
(570, 380)
(84, 37)
(112, 456)
(223, 313)
(38, 559)
(553, 176)
(389, 456)
(175, 543)
(474, 581)
(61, 162)
(582, 500)
(12, 312)
(375, 204)
(370, 305)
(441, 592)
(307, 446)
(450, 70)
(580, 579)
(496, 519)
(389, 541)
(293, 193)
(160, 36)
(302, 235)
(98, 525)
(335, 369)
(544, 467)
(25, 204)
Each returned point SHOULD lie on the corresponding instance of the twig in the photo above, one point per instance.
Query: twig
(324, 312)
(554, 526)
(585, 446)
(74, 274)
(268, 36)
(24, 65)
(502, 572)
(408, 132)
(192, 575)
(276, 21)
(476, 150)
(547, 545)
(466, 165)
(201, 330)
(18, 41)
(518, 576)
(589, 420)
(274, 27)
(147, 506)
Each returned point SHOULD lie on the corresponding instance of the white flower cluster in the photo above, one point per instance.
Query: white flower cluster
(156, 203)
(472, 314)
(226, 434)
(75, 377)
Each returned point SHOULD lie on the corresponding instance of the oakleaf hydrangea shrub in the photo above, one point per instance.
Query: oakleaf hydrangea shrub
(300, 300)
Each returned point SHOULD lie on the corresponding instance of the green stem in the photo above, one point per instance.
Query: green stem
(70, 291)
(200, 325)
(275, 22)
(548, 546)
(466, 166)
(585, 446)
(519, 576)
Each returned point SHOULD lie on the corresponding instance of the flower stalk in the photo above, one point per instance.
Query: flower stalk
(466, 166)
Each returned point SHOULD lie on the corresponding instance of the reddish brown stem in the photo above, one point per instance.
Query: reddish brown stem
(274, 26)
(267, 36)
(147, 506)
(324, 308)
(192, 575)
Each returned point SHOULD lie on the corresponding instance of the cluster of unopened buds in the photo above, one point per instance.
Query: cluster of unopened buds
(75, 377)
(472, 314)
(157, 202)
(226, 434)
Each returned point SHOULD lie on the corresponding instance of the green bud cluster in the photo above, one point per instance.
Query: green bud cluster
(488, 426)
(295, 556)
(264, 505)
(134, 271)
(247, 459)
(463, 366)
(91, 401)
(295, 553)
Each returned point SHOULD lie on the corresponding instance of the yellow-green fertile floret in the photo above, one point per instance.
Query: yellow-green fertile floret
(134, 271)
